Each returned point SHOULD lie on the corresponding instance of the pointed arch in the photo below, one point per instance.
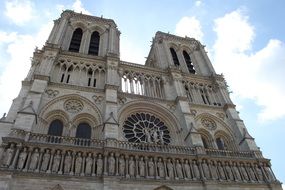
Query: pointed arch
(174, 57)
(188, 62)
(76, 40)
(94, 43)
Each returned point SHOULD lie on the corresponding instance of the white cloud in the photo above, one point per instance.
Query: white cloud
(189, 26)
(255, 75)
(20, 49)
(198, 3)
(19, 12)
(78, 7)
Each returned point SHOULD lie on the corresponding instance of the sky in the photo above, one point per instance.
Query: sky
(244, 39)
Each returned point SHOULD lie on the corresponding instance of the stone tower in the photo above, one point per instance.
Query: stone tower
(84, 119)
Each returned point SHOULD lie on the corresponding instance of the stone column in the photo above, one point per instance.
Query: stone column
(137, 166)
(61, 162)
(52, 152)
(42, 150)
(29, 150)
(127, 166)
(84, 154)
(105, 169)
(72, 163)
(117, 163)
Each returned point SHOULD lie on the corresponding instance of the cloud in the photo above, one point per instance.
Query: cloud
(78, 7)
(198, 3)
(189, 26)
(19, 12)
(19, 49)
(255, 75)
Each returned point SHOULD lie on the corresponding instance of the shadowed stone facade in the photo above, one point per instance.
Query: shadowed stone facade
(84, 119)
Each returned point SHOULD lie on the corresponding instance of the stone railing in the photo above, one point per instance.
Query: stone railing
(227, 153)
(108, 161)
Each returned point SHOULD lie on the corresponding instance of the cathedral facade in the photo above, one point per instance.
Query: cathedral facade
(84, 119)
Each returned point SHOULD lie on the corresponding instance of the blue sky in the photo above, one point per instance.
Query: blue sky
(245, 41)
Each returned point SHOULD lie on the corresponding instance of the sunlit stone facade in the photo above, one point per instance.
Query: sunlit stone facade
(85, 119)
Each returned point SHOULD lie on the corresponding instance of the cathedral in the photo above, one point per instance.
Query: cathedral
(85, 119)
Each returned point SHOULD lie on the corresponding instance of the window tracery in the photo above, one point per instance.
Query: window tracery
(145, 127)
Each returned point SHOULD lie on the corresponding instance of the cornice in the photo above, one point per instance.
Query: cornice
(75, 87)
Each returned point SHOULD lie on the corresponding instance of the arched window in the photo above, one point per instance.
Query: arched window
(205, 142)
(94, 43)
(189, 63)
(76, 40)
(83, 131)
(55, 128)
(174, 57)
(221, 143)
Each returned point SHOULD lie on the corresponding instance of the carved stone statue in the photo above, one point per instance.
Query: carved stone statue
(205, 169)
(269, 174)
(221, 171)
(34, 159)
(250, 172)
(160, 166)
(67, 162)
(22, 159)
(196, 170)
(229, 172)
(78, 164)
(150, 167)
(236, 172)
(161, 133)
(88, 164)
(147, 134)
(155, 136)
(111, 164)
(169, 166)
(213, 170)
(142, 167)
(99, 169)
(187, 169)
(244, 173)
(56, 161)
(45, 161)
(122, 165)
(8, 156)
(258, 172)
(179, 170)
(132, 167)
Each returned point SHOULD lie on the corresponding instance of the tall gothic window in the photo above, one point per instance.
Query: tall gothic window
(55, 128)
(76, 40)
(189, 63)
(94, 44)
(83, 131)
(174, 57)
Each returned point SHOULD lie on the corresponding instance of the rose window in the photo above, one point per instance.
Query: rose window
(144, 127)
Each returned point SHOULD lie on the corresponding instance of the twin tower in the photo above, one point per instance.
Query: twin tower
(84, 119)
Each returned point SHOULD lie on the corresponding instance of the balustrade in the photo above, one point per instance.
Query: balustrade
(80, 162)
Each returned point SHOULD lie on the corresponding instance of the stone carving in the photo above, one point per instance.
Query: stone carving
(250, 172)
(150, 168)
(221, 171)
(160, 167)
(78, 164)
(22, 159)
(142, 167)
(56, 161)
(258, 172)
(67, 162)
(122, 165)
(73, 106)
(205, 169)
(243, 172)
(8, 156)
(179, 170)
(45, 161)
(111, 164)
(98, 99)
(213, 170)
(196, 171)
(208, 123)
(229, 172)
(269, 173)
(52, 93)
(187, 169)
(88, 164)
(132, 167)
(34, 159)
(170, 169)
(236, 172)
(99, 169)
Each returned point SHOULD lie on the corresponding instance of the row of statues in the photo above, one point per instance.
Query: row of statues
(70, 162)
